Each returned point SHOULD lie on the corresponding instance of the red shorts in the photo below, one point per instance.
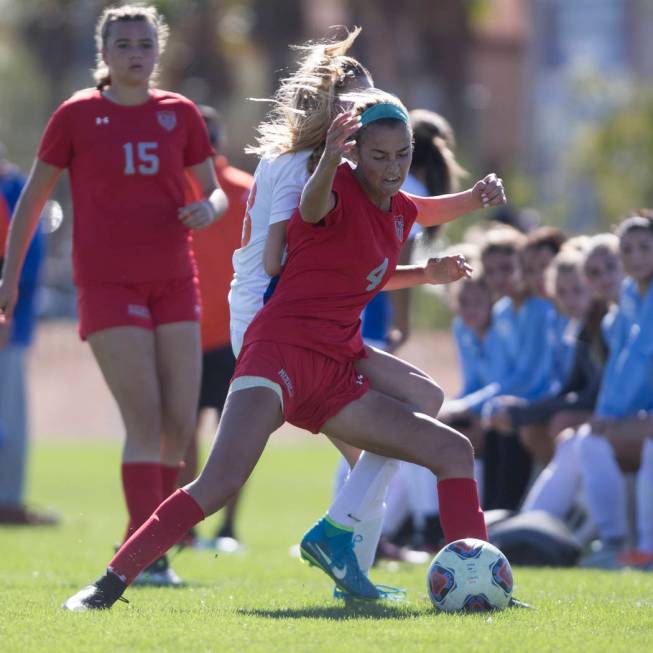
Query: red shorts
(311, 386)
(145, 305)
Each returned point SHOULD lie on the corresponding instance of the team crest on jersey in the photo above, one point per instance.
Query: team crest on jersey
(399, 227)
(167, 119)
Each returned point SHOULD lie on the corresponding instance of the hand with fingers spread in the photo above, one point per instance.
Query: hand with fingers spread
(197, 215)
(489, 191)
(447, 269)
(338, 141)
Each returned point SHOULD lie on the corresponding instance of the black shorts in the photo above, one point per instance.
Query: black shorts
(217, 369)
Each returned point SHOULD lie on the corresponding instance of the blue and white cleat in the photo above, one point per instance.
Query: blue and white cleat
(331, 548)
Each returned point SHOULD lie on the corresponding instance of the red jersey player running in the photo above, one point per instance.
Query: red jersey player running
(297, 361)
(126, 146)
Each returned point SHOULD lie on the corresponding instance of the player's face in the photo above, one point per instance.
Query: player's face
(474, 306)
(131, 52)
(502, 273)
(636, 248)
(383, 156)
(535, 261)
(604, 274)
(572, 294)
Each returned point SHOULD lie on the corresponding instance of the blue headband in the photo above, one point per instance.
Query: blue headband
(381, 111)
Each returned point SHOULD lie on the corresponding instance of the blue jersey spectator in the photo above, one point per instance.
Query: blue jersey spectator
(17, 337)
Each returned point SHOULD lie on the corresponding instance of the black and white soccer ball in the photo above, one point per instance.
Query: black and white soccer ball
(470, 575)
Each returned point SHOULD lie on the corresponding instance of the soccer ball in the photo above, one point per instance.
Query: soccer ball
(470, 575)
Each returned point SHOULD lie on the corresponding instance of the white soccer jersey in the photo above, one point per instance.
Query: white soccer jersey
(275, 194)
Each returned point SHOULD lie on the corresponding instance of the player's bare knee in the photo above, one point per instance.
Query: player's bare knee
(456, 457)
(178, 429)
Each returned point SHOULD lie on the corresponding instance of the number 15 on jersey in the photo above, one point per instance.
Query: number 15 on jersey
(140, 158)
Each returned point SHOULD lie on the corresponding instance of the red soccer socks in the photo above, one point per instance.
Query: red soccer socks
(460, 511)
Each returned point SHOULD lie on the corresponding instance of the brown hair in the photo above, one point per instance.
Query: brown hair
(550, 238)
(502, 239)
(434, 143)
(641, 219)
(568, 259)
(304, 105)
(605, 243)
(115, 14)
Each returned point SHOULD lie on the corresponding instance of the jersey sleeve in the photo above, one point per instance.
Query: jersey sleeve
(198, 147)
(56, 148)
(290, 177)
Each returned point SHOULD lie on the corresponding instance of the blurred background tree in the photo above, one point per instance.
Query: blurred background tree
(617, 156)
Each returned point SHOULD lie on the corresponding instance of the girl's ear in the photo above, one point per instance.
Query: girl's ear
(353, 154)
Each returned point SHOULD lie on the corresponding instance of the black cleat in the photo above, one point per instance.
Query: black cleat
(101, 595)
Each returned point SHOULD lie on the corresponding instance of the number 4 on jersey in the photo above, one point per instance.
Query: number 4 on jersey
(148, 163)
(376, 275)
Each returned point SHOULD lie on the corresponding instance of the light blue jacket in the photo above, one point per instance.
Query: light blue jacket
(478, 358)
(524, 361)
(627, 383)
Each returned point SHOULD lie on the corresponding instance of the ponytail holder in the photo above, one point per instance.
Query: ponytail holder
(381, 111)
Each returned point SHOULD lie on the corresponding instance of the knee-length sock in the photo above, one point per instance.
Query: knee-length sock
(169, 476)
(605, 487)
(360, 503)
(169, 523)
(142, 486)
(460, 511)
(558, 484)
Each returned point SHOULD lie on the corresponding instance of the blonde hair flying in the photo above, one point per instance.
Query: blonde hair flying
(304, 105)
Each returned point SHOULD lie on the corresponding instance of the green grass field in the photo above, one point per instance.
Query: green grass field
(264, 600)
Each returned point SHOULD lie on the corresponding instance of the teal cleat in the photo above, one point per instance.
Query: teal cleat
(331, 548)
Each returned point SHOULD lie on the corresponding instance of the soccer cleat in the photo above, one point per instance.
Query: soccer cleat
(603, 555)
(24, 516)
(516, 603)
(227, 545)
(636, 559)
(158, 574)
(385, 592)
(331, 548)
(101, 595)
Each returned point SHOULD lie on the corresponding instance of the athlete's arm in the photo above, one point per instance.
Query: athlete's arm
(198, 215)
(436, 271)
(40, 183)
(317, 197)
(274, 248)
(433, 211)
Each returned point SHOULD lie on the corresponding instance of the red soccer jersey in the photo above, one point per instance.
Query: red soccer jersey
(126, 166)
(333, 270)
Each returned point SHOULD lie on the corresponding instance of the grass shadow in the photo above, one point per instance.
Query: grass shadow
(337, 612)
